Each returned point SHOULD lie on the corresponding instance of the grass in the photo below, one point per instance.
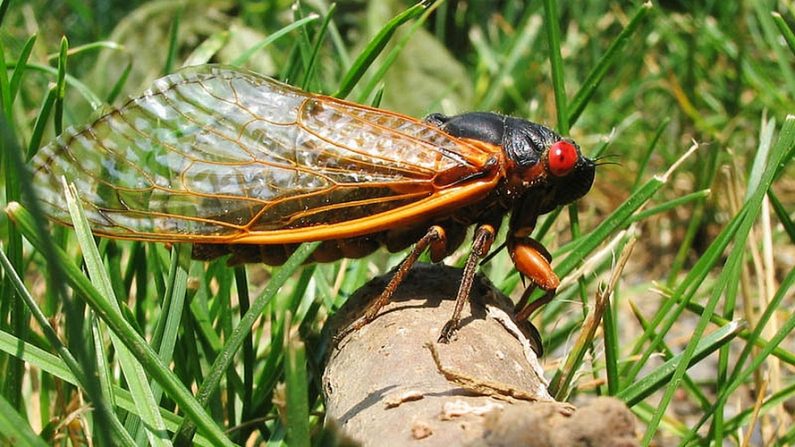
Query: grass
(136, 344)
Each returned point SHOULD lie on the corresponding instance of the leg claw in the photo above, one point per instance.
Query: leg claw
(448, 331)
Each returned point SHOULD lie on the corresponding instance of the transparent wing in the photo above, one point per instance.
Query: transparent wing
(210, 152)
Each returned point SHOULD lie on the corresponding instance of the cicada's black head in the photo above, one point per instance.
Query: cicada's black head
(545, 166)
(577, 182)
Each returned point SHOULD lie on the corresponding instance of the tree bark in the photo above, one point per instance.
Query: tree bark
(391, 383)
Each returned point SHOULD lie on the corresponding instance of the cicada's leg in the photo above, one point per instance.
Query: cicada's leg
(481, 244)
(436, 239)
(532, 260)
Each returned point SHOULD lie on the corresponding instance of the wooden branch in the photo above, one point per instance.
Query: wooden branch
(390, 383)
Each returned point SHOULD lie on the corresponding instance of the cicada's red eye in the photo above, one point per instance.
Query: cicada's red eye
(562, 158)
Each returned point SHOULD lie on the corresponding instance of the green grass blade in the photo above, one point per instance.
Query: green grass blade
(133, 371)
(525, 36)
(374, 48)
(691, 387)
(57, 367)
(771, 401)
(13, 311)
(60, 84)
(5, 85)
(165, 332)
(767, 24)
(739, 377)
(66, 368)
(91, 46)
(41, 122)
(320, 37)
(609, 226)
(781, 353)
(729, 304)
(783, 146)
(246, 55)
(116, 322)
(552, 26)
(297, 393)
(104, 378)
(667, 315)
(377, 97)
(607, 60)
(16, 182)
(35, 356)
(659, 376)
(14, 430)
(644, 411)
(303, 48)
(340, 51)
(4, 4)
(278, 311)
(242, 330)
(611, 342)
(19, 69)
(173, 41)
(241, 283)
(617, 219)
(93, 100)
(784, 29)
(393, 54)
(164, 339)
(74, 369)
(560, 384)
(706, 174)
(118, 86)
(644, 162)
(670, 205)
(207, 49)
(768, 313)
(782, 215)
(761, 156)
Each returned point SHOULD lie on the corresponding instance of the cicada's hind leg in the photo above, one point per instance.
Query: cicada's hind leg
(533, 261)
(436, 239)
(481, 244)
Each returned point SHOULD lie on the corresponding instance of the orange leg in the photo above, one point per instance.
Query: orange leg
(481, 244)
(532, 260)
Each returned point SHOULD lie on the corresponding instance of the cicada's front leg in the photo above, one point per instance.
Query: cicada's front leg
(533, 261)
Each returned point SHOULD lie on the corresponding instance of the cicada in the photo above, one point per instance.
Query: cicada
(240, 164)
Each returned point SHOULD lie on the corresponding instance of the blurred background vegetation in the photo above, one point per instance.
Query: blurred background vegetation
(641, 83)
